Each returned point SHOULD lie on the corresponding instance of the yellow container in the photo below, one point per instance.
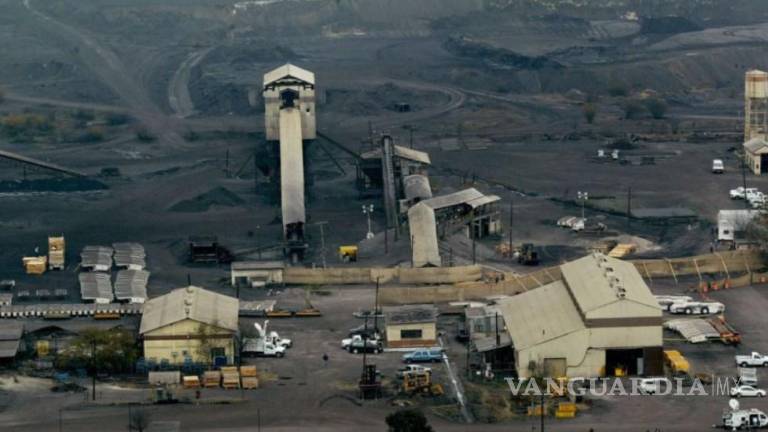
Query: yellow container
(565, 414)
(566, 407)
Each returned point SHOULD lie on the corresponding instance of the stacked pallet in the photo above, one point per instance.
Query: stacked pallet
(230, 377)
(249, 377)
(621, 250)
(211, 379)
(191, 381)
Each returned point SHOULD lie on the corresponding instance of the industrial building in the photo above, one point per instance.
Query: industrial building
(464, 209)
(256, 274)
(756, 120)
(756, 155)
(406, 162)
(190, 324)
(424, 244)
(289, 112)
(732, 224)
(600, 319)
(411, 326)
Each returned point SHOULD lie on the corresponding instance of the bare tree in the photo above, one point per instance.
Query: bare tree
(138, 420)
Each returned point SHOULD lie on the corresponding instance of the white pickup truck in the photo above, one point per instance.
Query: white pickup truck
(696, 307)
(738, 193)
(754, 359)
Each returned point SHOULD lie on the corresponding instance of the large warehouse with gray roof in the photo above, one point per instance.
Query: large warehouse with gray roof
(600, 319)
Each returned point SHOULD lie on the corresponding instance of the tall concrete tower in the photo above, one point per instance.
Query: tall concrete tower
(755, 105)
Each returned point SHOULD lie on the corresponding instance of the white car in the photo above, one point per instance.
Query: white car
(718, 167)
(698, 308)
(738, 193)
(747, 391)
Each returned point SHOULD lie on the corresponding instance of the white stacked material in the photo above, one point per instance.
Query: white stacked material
(130, 256)
(131, 285)
(97, 258)
(693, 329)
(96, 287)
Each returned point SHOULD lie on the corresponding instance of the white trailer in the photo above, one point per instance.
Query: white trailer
(696, 307)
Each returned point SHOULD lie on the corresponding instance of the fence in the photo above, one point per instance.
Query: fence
(356, 276)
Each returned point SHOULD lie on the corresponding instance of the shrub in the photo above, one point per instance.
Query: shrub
(657, 107)
(632, 109)
(590, 112)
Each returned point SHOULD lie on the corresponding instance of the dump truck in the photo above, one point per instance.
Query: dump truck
(262, 344)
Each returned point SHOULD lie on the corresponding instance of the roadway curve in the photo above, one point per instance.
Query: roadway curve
(179, 98)
(108, 67)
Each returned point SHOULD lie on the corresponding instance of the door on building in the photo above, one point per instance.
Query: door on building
(624, 362)
(555, 367)
(219, 356)
(763, 164)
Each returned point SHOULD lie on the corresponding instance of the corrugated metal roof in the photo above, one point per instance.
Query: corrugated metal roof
(95, 286)
(417, 187)
(96, 256)
(695, 330)
(423, 313)
(488, 343)
(130, 255)
(471, 197)
(291, 167)
(737, 218)
(755, 144)
(131, 285)
(289, 71)
(423, 227)
(540, 315)
(193, 303)
(597, 281)
(257, 265)
(401, 152)
(11, 330)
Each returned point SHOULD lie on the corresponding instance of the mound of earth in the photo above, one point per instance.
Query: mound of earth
(216, 197)
(378, 99)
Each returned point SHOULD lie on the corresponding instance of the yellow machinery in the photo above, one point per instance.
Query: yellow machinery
(566, 410)
(676, 362)
(56, 253)
(35, 265)
(420, 382)
(348, 253)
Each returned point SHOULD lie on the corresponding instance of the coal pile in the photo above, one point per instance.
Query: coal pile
(216, 197)
(64, 184)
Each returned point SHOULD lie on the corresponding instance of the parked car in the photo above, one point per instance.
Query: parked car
(754, 359)
(412, 368)
(356, 344)
(738, 193)
(432, 355)
(747, 391)
(718, 167)
(696, 307)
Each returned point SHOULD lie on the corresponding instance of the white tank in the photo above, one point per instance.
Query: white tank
(756, 84)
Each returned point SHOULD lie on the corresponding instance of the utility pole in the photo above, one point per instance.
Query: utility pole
(368, 210)
(256, 237)
(498, 336)
(744, 177)
(376, 307)
(542, 411)
(583, 196)
(511, 219)
(472, 233)
(93, 369)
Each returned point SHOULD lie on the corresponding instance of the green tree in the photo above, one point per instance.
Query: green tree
(590, 112)
(408, 420)
(113, 350)
(632, 109)
(657, 107)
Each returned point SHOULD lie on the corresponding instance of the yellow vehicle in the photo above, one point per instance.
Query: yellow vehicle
(676, 362)
(420, 382)
(348, 253)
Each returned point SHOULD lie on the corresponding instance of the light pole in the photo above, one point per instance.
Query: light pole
(583, 196)
(368, 210)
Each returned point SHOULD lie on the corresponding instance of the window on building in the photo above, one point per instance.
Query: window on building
(410, 334)
(217, 352)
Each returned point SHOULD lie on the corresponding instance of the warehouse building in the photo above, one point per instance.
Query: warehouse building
(599, 320)
(191, 324)
(411, 326)
(756, 154)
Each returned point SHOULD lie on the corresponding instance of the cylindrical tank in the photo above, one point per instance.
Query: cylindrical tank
(756, 84)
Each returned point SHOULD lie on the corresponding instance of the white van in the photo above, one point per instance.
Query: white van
(718, 167)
